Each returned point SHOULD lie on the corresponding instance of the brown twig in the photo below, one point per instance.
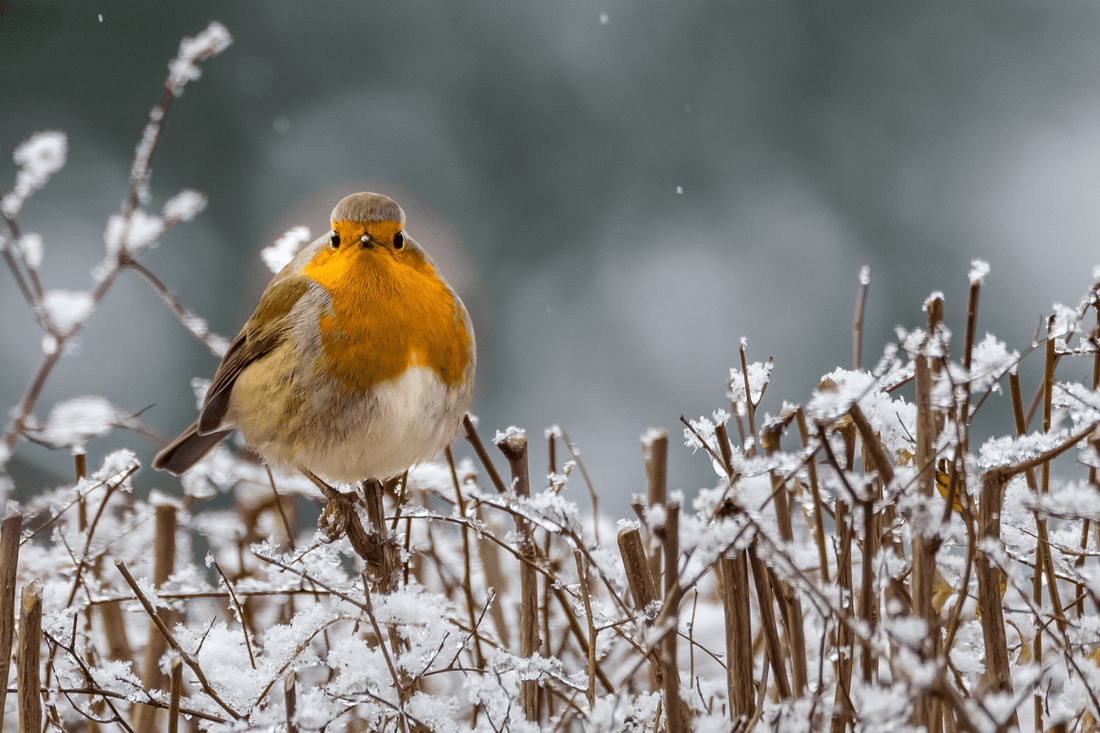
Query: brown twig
(467, 570)
(583, 580)
(10, 530)
(857, 321)
(482, 455)
(669, 534)
(27, 658)
(240, 612)
(176, 689)
(655, 458)
(514, 447)
(290, 696)
(188, 660)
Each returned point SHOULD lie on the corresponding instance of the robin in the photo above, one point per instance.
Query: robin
(357, 364)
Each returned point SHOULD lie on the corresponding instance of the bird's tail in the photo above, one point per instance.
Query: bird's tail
(188, 449)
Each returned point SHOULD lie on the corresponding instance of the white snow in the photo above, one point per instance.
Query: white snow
(979, 269)
(72, 422)
(1066, 321)
(278, 255)
(200, 386)
(42, 155)
(184, 206)
(510, 434)
(759, 374)
(30, 246)
(67, 309)
(183, 68)
(142, 230)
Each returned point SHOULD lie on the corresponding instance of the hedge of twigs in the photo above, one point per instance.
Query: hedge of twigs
(859, 564)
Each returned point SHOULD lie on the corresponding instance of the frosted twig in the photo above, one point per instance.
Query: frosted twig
(483, 455)
(314, 581)
(188, 660)
(587, 482)
(88, 676)
(214, 342)
(213, 41)
(857, 321)
(33, 297)
(240, 613)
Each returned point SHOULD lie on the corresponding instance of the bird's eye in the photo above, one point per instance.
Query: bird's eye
(334, 239)
(399, 240)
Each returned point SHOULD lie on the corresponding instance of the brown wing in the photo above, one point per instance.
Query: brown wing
(264, 331)
(186, 450)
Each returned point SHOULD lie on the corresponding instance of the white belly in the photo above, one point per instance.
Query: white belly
(406, 421)
(345, 437)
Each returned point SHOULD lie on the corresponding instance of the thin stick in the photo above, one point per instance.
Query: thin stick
(282, 511)
(483, 455)
(815, 491)
(734, 587)
(675, 711)
(582, 577)
(176, 687)
(857, 322)
(291, 697)
(765, 600)
(467, 570)
(10, 530)
(592, 496)
(926, 544)
(642, 589)
(194, 665)
(514, 447)
(164, 563)
(27, 658)
(240, 613)
(655, 457)
(1092, 469)
(789, 605)
(212, 341)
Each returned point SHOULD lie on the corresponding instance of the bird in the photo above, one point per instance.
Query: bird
(357, 364)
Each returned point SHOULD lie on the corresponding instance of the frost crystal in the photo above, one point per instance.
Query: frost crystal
(511, 434)
(196, 325)
(199, 386)
(30, 246)
(933, 296)
(278, 255)
(184, 206)
(979, 269)
(183, 68)
(74, 421)
(141, 231)
(989, 361)
(650, 436)
(759, 374)
(865, 275)
(67, 309)
(1066, 321)
(38, 158)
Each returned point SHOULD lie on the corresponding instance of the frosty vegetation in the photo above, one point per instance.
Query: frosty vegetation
(859, 563)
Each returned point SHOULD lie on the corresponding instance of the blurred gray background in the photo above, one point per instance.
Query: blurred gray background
(620, 190)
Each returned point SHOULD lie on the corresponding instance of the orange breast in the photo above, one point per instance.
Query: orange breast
(389, 311)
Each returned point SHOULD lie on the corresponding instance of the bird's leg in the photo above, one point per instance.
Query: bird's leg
(333, 495)
(339, 518)
(371, 493)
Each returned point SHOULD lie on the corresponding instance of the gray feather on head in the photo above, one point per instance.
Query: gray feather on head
(367, 207)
